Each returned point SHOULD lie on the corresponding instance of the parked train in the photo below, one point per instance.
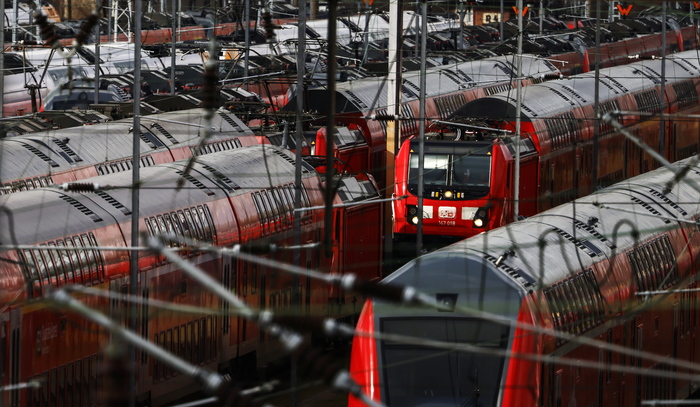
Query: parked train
(581, 269)
(243, 196)
(66, 155)
(451, 86)
(469, 184)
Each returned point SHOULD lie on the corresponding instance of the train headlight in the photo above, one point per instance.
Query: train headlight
(412, 209)
(414, 220)
(481, 218)
(447, 194)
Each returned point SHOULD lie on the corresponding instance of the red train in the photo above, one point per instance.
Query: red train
(240, 196)
(66, 155)
(582, 269)
(469, 184)
(450, 86)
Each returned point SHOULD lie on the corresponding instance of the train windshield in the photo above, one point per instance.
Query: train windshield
(417, 375)
(460, 169)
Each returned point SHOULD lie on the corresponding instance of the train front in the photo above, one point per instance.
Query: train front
(463, 188)
(412, 373)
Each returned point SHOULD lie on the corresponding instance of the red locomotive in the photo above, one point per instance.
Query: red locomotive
(241, 196)
(66, 155)
(617, 267)
(469, 184)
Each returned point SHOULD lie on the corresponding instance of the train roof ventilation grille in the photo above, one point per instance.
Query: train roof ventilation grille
(226, 182)
(683, 67)
(40, 154)
(289, 159)
(670, 203)
(573, 92)
(590, 229)
(195, 182)
(151, 139)
(107, 197)
(524, 279)
(164, 132)
(618, 84)
(561, 95)
(356, 99)
(82, 208)
(648, 207)
(63, 144)
(583, 245)
(230, 121)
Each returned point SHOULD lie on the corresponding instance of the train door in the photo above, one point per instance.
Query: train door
(227, 278)
(15, 353)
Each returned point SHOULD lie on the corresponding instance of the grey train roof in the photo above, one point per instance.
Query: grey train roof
(553, 97)
(63, 149)
(366, 93)
(41, 214)
(584, 232)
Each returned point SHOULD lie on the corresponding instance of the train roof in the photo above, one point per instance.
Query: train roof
(42, 214)
(579, 90)
(548, 247)
(42, 153)
(371, 93)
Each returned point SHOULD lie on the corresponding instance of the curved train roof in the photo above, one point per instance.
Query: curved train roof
(371, 93)
(52, 151)
(582, 233)
(554, 97)
(43, 214)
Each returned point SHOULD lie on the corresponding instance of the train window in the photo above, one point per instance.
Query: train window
(169, 230)
(61, 396)
(572, 298)
(642, 270)
(184, 225)
(196, 234)
(149, 226)
(271, 214)
(69, 384)
(161, 224)
(167, 345)
(56, 269)
(203, 348)
(91, 260)
(253, 278)
(659, 264)
(30, 264)
(79, 383)
(259, 208)
(210, 339)
(207, 224)
(41, 264)
(554, 308)
(176, 345)
(565, 306)
(52, 387)
(183, 341)
(64, 258)
(195, 334)
(82, 258)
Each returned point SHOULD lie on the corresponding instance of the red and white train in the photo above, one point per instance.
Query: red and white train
(240, 196)
(469, 184)
(66, 155)
(449, 87)
(619, 266)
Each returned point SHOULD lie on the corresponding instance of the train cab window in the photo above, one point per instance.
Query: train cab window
(442, 378)
(468, 171)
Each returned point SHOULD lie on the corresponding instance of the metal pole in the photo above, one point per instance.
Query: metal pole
(541, 15)
(173, 60)
(421, 125)
(662, 90)
(246, 26)
(330, 126)
(518, 102)
(135, 196)
(299, 139)
(500, 21)
(596, 98)
(98, 31)
(15, 8)
(393, 127)
(2, 65)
